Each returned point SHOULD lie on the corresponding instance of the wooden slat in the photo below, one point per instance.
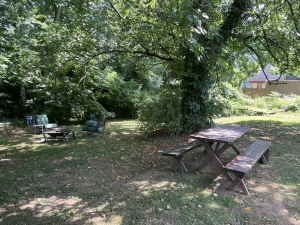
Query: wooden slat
(176, 151)
(222, 133)
(244, 162)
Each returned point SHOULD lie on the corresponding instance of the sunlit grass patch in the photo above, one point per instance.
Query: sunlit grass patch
(120, 178)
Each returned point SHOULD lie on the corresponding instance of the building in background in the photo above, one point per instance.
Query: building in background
(259, 80)
(258, 85)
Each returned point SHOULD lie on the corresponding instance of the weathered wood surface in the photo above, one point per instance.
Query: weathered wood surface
(242, 164)
(222, 133)
(178, 150)
(178, 153)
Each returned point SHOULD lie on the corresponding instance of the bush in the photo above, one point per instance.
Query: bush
(262, 105)
(161, 112)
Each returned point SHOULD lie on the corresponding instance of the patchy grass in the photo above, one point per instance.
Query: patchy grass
(120, 178)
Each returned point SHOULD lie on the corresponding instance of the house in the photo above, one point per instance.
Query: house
(259, 80)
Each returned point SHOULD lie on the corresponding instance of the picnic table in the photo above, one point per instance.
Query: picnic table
(216, 140)
(224, 136)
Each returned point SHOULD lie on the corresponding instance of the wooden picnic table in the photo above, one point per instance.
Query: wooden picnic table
(224, 136)
(220, 138)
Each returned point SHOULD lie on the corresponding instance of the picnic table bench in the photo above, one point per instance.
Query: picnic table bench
(225, 137)
(178, 152)
(243, 163)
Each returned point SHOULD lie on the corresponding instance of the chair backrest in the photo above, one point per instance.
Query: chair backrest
(93, 117)
(41, 119)
(102, 121)
(101, 125)
(30, 120)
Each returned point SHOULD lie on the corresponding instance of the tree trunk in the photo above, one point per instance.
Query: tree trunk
(22, 102)
(195, 85)
(57, 12)
(197, 79)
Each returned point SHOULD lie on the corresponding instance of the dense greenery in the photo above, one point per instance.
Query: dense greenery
(265, 105)
(70, 58)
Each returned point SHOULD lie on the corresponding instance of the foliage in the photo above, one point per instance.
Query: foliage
(116, 94)
(49, 51)
(161, 113)
(270, 104)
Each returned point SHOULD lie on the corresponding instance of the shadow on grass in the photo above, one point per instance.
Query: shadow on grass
(121, 179)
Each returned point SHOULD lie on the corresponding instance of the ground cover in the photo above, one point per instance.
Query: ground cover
(120, 178)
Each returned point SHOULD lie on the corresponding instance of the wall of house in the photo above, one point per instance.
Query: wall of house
(291, 87)
(255, 85)
(286, 87)
(255, 92)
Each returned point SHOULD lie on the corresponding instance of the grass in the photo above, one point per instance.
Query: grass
(119, 178)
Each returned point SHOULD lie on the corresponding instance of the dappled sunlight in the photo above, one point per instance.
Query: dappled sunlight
(272, 196)
(213, 206)
(5, 160)
(112, 220)
(265, 196)
(146, 187)
(70, 207)
(53, 205)
(120, 179)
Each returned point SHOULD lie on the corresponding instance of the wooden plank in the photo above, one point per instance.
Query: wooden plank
(241, 164)
(222, 133)
(244, 162)
(178, 150)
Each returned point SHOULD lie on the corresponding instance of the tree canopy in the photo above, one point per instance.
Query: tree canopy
(77, 56)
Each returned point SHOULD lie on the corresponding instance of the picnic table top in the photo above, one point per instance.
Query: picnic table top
(222, 133)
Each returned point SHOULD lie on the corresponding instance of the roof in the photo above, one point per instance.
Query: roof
(261, 78)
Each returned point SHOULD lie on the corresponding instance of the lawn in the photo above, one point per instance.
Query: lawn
(120, 178)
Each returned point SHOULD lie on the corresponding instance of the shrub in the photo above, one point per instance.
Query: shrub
(161, 112)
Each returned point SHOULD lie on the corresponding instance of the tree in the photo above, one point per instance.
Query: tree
(198, 42)
(201, 40)
(35, 58)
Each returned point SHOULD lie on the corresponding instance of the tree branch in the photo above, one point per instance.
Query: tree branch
(293, 16)
(234, 16)
(258, 58)
(115, 10)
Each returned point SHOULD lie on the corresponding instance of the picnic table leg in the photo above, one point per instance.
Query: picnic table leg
(64, 137)
(217, 151)
(265, 158)
(239, 181)
(214, 157)
(212, 153)
(203, 164)
(235, 149)
(183, 167)
(178, 162)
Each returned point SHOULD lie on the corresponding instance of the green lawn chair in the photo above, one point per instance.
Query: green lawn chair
(94, 126)
(39, 122)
